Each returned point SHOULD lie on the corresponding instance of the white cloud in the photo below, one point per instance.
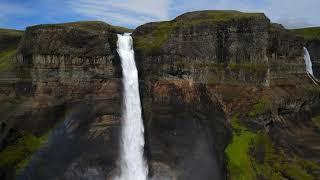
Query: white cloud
(121, 12)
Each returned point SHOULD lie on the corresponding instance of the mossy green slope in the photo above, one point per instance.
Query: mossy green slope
(252, 155)
(6, 62)
(10, 32)
(239, 160)
(312, 33)
(10, 39)
(18, 154)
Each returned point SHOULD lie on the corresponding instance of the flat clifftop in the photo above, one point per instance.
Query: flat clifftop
(312, 33)
(83, 38)
(151, 37)
(217, 16)
(247, 47)
(83, 25)
(10, 32)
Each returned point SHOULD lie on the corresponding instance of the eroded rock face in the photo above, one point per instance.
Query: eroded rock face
(73, 89)
(191, 70)
(195, 72)
(185, 128)
(313, 47)
(285, 54)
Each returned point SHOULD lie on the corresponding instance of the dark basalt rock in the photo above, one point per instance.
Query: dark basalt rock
(311, 37)
(72, 90)
(313, 47)
(209, 51)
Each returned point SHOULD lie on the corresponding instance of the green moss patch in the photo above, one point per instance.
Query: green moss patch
(152, 42)
(275, 164)
(18, 154)
(252, 155)
(261, 106)
(239, 160)
(312, 33)
(249, 67)
(6, 62)
(316, 121)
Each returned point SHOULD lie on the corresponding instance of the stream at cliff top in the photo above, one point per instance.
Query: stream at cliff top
(132, 163)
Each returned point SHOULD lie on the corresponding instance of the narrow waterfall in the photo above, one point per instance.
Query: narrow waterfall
(133, 165)
(308, 62)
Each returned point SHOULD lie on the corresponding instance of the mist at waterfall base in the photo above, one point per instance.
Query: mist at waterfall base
(308, 62)
(132, 163)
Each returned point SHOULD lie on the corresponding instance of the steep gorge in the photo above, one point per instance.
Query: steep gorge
(220, 90)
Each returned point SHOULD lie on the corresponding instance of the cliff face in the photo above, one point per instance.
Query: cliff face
(239, 64)
(224, 96)
(311, 37)
(314, 50)
(73, 85)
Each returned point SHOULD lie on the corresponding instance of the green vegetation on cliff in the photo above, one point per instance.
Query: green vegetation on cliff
(150, 42)
(316, 120)
(85, 25)
(252, 155)
(6, 62)
(10, 32)
(239, 160)
(18, 154)
(214, 16)
(261, 106)
(312, 33)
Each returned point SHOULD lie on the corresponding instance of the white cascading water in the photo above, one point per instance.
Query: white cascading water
(133, 165)
(308, 62)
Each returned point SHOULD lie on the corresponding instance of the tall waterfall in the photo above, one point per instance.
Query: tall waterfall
(133, 165)
(308, 62)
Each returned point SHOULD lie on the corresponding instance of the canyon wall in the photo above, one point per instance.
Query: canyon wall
(203, 67)
(212, 84)
(73, 90)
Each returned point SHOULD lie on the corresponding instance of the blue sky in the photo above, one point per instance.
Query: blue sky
(18, 14)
